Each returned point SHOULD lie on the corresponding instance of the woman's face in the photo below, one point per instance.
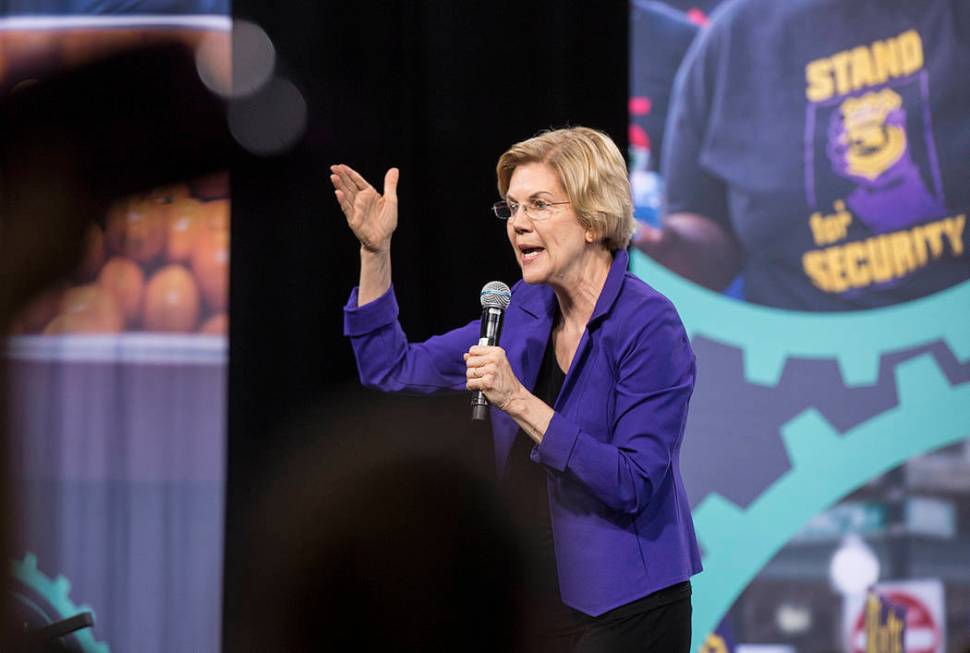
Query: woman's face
(549, 249)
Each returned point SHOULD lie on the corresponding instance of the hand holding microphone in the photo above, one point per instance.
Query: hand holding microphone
(488, 372)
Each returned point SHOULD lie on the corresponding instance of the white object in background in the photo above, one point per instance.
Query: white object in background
(794, 618)
(931, 516)
(854, 567)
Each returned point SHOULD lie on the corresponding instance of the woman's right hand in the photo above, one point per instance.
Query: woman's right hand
(371, 216)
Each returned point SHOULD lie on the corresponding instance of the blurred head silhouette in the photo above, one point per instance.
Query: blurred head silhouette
(380, 535)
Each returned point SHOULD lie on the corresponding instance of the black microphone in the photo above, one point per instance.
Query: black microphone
(495, 299)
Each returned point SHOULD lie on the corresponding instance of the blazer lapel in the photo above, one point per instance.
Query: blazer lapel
(525, 336)
(529, 325)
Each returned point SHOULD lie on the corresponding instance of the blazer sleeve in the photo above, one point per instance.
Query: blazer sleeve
(387, 361)
(654, 383)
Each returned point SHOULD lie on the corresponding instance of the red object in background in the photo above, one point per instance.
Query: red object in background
(638, 137)
(920, 624)
(697, 16)
(640, 106)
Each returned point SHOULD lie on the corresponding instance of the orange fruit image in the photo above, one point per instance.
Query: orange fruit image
(185, 219)
(217, 325)
(171, 301)
(93, 253)
(137, 228)
(210, 259)
(217, 214)
(87, 309)
(124, 279)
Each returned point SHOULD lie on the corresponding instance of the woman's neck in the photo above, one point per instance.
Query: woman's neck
(579, 289)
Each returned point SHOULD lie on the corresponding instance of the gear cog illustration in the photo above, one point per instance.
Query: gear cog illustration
(825, 463)
(48, 600)
(769, 336)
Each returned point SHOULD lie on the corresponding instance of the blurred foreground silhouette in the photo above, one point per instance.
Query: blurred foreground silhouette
(380, 534)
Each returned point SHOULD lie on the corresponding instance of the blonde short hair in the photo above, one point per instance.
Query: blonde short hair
(592, 172)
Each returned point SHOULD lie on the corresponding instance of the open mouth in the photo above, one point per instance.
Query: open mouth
(529, 253)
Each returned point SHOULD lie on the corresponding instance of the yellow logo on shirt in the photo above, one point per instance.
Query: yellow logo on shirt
(881, 258)
(871, 144)
(863, 66)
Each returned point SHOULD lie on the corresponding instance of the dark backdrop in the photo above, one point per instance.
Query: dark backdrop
(439, 89)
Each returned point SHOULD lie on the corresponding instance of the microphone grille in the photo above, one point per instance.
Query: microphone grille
(496, 294)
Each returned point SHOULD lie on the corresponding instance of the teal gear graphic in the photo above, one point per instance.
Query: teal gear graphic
(34, 588)
(825, 464)
(769, 336)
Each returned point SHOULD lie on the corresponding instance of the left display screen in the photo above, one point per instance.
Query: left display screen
(118, 382)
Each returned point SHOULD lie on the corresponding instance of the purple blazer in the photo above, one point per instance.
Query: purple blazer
(620, 517)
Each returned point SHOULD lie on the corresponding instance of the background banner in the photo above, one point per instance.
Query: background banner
(118, 377)
(826, 447)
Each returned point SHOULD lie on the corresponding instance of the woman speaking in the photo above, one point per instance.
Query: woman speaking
(589, 390)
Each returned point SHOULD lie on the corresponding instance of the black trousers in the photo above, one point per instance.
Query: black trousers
(658, 623)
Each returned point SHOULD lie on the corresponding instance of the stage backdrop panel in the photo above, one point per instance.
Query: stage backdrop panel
(118, 376)
(826, 448)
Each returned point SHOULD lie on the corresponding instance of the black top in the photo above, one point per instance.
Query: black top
(525, 490)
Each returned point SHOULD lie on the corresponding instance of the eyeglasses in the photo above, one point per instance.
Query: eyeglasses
(536, 209)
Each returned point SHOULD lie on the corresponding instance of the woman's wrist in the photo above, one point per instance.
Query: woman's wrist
(529, 412)
(375, 252)
(517, 403)
(375, 274)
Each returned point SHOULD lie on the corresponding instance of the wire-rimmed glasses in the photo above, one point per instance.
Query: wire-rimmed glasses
(536, 209)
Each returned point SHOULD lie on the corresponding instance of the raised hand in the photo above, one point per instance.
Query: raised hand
(371, 216)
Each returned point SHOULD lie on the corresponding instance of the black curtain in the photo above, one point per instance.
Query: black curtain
(439, 89)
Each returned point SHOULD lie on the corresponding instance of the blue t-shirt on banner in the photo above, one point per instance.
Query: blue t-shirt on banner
(113, 7)
(831, 138)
